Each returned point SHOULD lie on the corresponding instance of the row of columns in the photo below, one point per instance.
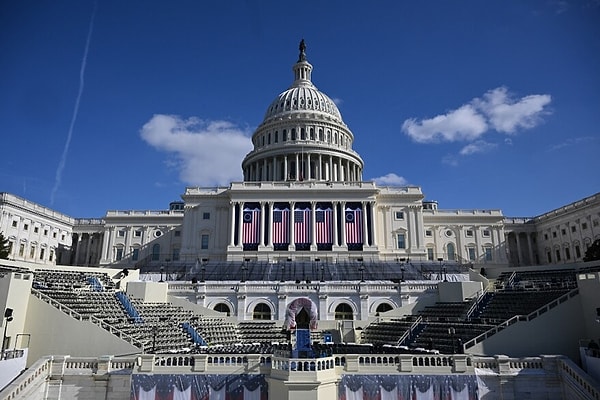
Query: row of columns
(301, 166)
(369, 230)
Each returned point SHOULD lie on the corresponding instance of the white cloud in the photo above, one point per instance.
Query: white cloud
(479, 146)
(496, 110)
(462, 124)
(506, 115)
(390, 179)
(450, 159)
(208, 153)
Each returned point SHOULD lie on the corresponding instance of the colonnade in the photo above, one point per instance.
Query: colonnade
(303, 166)
(338, 231)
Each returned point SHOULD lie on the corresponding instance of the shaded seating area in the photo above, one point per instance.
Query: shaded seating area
(260, 332)
(386, 332)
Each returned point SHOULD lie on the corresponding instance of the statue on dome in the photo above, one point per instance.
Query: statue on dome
(302, 49)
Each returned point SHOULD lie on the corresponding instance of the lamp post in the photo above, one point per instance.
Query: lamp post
(162, 270)
(441, 260)
(322, 273)
(8, 316)
(203, 269)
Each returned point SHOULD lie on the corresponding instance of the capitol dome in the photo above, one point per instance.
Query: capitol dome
(302, 136)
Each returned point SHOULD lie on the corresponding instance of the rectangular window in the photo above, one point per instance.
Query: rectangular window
(175, 254)
(469, 233)
(21, 250)
(32, 252)
(36, 229)
(119, 254)
(206, 215)
(430, 253)
(486, 233)
(51, 255)
(401, 241)
(399, 215)
(42, 253)
(554, 234)
(545, 236)
(573, 229)
(428, 233)
(557, 255)
(62, 237)
(26, 227)
(121, 233)
(472, 253)
(577, 252)
(584, 225)
(204, 242)
(54, 235)
(45, 232)
(595, 223)
(563, 231)
(137, 233)
(549, 257)
(135, 254)
(567, 253)
(488, 254)
(177, 233)
(14, 224)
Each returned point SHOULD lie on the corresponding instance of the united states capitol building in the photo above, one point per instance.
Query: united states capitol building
(303, 280)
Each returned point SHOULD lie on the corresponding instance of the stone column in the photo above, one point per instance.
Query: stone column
(240, 223)
(232, 218)
(365, 224)
(270, 227)
(319, 170)
(308, 174)
(89, 244)
(313, 225)
(373, 223)
(78, 248)
(261, 241)
(292, 233)
(285, 168)
(530, 244)
(343, 224)
(519, 257)
(297, 168)
(335, 223)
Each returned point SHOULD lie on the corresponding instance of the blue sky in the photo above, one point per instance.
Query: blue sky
(120, 105)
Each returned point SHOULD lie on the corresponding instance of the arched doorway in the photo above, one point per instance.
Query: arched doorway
(344, 311)
(261, 312)
(223, 308)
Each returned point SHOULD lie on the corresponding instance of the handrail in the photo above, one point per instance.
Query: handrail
(97, 321)
(517, 318)
(475, 304)
(410, 330)
(511, 278)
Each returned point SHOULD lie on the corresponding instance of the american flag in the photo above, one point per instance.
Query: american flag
(281, 225)
(323, 226)
(354, 226)
(251, 224)
(302, 225)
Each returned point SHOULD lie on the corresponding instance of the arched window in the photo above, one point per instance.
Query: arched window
(383, 307)
(450, 251)
(344, 311)
(156, 252)
(262, 311)
(223, 308)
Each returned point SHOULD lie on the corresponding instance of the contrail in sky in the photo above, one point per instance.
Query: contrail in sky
(63, 158)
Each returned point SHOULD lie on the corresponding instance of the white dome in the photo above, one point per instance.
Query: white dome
(302, 97)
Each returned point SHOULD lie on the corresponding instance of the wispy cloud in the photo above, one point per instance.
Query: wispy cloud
(63, 158)
(497, 110)
(507, 115)
(390, 179)
(207, 153)
(479, 146)
(572, 142)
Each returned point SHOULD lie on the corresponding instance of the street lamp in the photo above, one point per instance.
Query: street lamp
(162, 270)
(441, 260)
(322, 273)
(203, 269)
(8, 316)
(361, 268)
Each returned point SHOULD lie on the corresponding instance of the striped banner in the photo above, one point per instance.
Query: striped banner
(302, 226)
(323, 225)
(281, 230)
(251, 226)
(354, 226)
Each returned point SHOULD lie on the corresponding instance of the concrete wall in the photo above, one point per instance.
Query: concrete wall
(458, 291)
(589, 292)
(54, 332)
(555, 332)
(14, 294)
(149, 292)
